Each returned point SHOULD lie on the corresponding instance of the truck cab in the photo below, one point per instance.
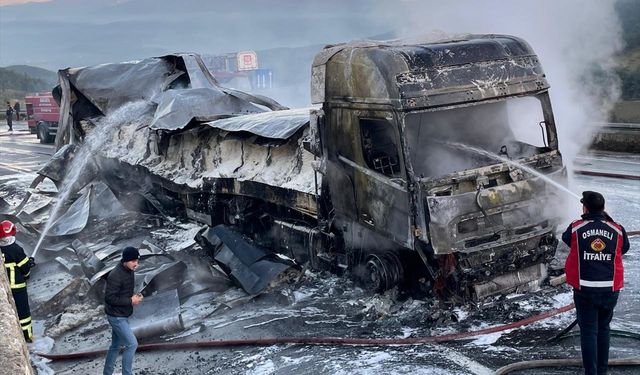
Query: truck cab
(440, 158)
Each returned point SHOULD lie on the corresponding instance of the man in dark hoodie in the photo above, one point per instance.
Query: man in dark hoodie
(594, 270)
(119, 299)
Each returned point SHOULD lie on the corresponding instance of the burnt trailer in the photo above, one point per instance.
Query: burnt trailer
(423, 164)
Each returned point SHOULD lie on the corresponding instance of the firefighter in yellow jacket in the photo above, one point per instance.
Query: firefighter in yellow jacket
(18, 267)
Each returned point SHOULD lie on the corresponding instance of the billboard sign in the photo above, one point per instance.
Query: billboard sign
(247, 60)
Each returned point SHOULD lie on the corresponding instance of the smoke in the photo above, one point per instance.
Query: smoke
(576, 41)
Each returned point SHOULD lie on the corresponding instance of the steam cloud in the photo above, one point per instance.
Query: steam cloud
(575, 40)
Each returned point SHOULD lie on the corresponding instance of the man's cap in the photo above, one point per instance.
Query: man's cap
(130, 253)
(593, 201)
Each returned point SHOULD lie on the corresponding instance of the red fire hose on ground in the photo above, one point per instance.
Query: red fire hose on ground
(318, 340)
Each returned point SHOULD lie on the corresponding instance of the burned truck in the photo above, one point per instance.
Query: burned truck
(421, 164)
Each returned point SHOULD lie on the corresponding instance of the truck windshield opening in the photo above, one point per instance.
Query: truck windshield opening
(512, 128)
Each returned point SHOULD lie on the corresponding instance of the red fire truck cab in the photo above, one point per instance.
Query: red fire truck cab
(42, 116)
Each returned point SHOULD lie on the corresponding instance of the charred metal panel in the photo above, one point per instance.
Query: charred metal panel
(89, 262)
(141, 190)
(304, 203)
(375, 197)
(56, 167)
(489, 217)
(251, 267)
(275, 124)
(410, 75)
(472, 83)
(176, 108)
(75, 218)
(171, 81)
(382, 204)
(530, 277)
(157, 316)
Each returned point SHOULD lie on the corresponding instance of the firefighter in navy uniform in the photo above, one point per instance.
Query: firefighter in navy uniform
(594, 270)
(18, 267)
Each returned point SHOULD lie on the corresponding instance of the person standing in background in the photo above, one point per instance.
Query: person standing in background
(16, 108)
(9, 114)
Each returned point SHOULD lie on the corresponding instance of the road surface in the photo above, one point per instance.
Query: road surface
(21, 151)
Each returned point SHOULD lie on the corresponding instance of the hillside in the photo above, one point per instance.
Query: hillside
(15, 85)
(49, 77)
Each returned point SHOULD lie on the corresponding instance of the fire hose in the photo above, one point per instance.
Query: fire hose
(320, 340)
(569, 362)
(563, 362)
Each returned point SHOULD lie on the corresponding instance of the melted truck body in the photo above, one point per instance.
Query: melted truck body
(423, 164)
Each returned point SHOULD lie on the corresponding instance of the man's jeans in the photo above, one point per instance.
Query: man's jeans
(595, 310)
(121, 336)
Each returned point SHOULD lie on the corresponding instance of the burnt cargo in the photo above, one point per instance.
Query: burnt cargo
(422, 164)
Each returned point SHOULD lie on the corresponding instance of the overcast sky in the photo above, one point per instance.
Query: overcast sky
(61, 33)
(571, 37)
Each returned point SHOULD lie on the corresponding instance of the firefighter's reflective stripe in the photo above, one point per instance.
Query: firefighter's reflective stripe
(23, 262)
(580, 225)
(597, 284)
(26, 325)
(12, 275)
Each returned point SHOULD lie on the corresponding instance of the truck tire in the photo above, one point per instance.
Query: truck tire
(382, 272)
(43, 133)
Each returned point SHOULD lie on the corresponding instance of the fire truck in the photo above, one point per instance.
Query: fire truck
(42, 116)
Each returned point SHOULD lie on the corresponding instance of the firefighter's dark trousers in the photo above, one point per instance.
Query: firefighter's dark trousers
(594, 311)
(21, 298)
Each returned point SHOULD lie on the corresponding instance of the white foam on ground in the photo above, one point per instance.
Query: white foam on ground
(488, 339)
(41, 344)
(463, 361)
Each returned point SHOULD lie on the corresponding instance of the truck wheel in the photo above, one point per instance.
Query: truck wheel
(43, 133)
(382, 272)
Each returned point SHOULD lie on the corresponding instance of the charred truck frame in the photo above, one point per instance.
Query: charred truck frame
(412, 155)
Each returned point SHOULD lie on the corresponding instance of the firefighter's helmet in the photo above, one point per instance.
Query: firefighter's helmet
(7, 229)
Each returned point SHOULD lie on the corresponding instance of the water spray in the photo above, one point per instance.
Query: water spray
(93, 142)
(480, 151)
